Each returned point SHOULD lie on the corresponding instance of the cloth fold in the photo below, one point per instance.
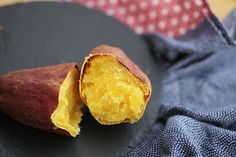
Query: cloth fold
(197, 116)
(230, 24)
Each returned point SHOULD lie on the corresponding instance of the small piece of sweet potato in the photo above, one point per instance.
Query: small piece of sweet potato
(113, 87)
(45, 98)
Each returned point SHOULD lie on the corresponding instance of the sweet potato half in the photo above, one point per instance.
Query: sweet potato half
(45, 98)
(113, 87)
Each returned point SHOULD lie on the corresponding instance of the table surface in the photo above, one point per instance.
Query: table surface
(49, 22)
(216, 5)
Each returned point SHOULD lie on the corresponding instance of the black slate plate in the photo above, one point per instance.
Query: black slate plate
(39, 34)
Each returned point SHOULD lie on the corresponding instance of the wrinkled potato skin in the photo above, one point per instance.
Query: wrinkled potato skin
(30, 96)
(119, 55)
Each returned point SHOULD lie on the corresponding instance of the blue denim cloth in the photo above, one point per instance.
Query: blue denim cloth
(197, 116)
(230, 24)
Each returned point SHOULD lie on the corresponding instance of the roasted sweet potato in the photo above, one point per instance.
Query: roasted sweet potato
(45, 98)
(113, 87)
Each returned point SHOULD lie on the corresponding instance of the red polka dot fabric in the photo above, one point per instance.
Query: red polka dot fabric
(168, 17)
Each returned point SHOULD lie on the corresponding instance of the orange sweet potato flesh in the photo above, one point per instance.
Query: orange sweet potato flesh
(45, 98)
(113, 87)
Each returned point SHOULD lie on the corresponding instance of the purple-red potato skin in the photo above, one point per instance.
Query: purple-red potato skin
(30, 96)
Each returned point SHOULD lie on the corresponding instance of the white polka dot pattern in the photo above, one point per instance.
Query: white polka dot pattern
(169, 17)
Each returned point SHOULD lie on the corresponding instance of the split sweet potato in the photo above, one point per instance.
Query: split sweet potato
(113, 87)
(46, 98)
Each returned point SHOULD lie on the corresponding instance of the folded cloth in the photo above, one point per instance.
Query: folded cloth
(198, 104)
(230, 24)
